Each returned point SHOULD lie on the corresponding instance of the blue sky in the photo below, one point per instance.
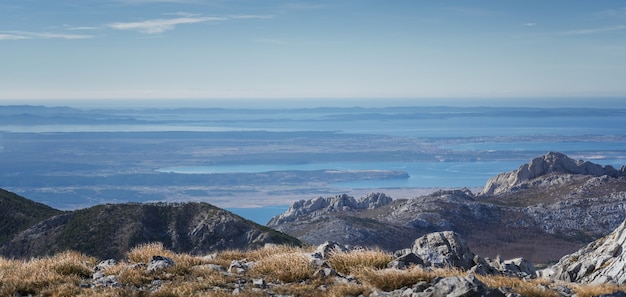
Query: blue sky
(152, 49)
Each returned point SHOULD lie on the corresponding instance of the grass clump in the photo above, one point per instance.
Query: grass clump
(59, 275)
(285, 267)
(393, 279)
(589, 290)
(347, 263)
(531, 288)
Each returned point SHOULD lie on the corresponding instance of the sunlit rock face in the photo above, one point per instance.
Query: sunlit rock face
(548, 164)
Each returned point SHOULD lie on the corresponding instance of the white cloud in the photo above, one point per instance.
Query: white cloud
(594, 30)
(82, 28)
(12, 37)
(20, 35)
(529, 24)
(160, 25)
(248, 16)
(183, 14)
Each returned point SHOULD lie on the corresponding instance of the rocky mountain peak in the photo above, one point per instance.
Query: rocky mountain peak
(550, 163)
(320, 205)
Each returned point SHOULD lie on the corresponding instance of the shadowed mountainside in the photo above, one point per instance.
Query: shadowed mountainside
(18, 213)
(111, 230)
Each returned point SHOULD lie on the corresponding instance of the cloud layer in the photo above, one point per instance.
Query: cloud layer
(161, 25)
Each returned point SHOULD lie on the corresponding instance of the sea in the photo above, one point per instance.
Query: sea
(590, 129)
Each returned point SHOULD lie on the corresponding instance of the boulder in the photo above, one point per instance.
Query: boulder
(329, 247)
(158, 263)
(406, 261)
(458, 286)
(444, 249)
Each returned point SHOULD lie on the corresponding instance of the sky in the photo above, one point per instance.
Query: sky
(217, 49)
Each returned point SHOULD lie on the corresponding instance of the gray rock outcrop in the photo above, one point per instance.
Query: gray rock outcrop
(443, 249)
(601, 261)
(544, 165)
(322, 205)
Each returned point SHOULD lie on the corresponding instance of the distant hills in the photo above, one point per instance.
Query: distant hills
(109, 231)
(541, 211)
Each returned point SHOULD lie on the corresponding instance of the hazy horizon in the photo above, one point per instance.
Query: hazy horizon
(267, 103)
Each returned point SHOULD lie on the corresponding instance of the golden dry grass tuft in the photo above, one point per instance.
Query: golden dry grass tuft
(393, 279)
(588, 290)
(285, 267)
(144, 253)
(59, 275)
(347, 263)
(532, 288)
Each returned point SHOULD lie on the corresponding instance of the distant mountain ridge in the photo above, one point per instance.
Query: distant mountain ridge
(541, 211)
(551, 163)
(111, 230)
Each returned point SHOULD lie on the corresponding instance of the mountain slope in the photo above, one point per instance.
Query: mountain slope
(601, 261)
(111, 230)
(18, 213)
(542, 216)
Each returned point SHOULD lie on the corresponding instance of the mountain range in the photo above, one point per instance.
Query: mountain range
(542, 211)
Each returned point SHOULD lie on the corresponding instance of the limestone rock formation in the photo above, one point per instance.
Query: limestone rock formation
(443, 249)
(551, 207)
(601, 261)
(321, 205)
(544, 165)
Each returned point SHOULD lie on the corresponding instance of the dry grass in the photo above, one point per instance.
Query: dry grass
(532, 288)
(589, 290)
(59, 275)
(287, 270)
(285, 267)
(347, 263)
(393, 279)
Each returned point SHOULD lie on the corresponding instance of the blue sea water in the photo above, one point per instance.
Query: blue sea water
(512, 132)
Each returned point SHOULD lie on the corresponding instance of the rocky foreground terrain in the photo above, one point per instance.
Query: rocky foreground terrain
(545, 209)
(436, 264)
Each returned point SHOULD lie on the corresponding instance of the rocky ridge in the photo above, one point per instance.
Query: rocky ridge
(321, 205)
(551, 163)
(111, 230)
(552, 206)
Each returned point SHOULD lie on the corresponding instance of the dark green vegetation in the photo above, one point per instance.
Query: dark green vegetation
(18, 213)
(111, 230)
